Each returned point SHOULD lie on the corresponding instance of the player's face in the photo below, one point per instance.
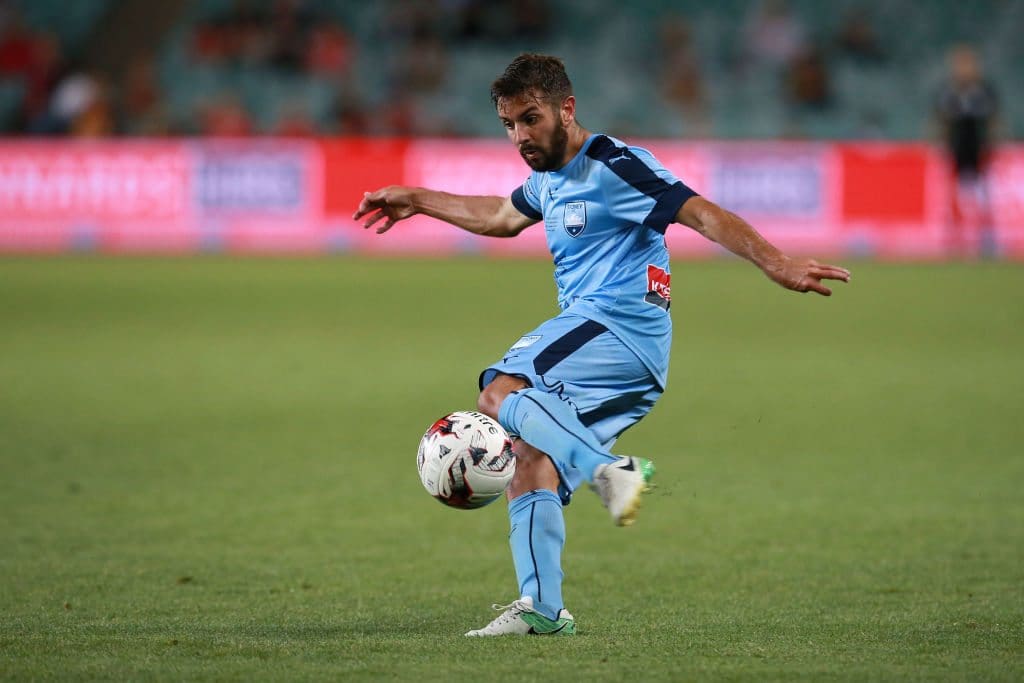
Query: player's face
(537, 130)
(964, 65)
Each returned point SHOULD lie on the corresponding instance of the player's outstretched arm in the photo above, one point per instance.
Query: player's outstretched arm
(492, 216)
(736, 235)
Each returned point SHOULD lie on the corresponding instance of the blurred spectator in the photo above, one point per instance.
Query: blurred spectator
(34, 59)
(141, 109)
(17, 43)
(397, 117)
(290, 36)
(421, 65)
(43, 75)
(681, 81)
(330, 51)
(857, 38)
(773, 34)
(406, 19)
(295, 122)
(500, 20)
(77, 93)
(96, 119)
(531, 19)
(967, 111)
(249, 43)
(351, 117)
(472, 20)
(287, 33)
(238, 36)
(225, 118)
(807, 80)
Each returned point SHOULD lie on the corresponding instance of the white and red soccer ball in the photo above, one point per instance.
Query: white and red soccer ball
(465, 460)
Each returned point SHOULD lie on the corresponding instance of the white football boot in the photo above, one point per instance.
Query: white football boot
(620, 485)
(520, 619)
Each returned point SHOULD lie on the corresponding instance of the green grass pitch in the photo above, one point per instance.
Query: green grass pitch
(207, 472)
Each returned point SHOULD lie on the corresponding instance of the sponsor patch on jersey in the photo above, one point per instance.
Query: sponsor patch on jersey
(659, 287)
(575, 218)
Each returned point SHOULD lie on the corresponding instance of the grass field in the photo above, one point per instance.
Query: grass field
(207, 471)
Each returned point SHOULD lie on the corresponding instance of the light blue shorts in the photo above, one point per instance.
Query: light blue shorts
(584, 364)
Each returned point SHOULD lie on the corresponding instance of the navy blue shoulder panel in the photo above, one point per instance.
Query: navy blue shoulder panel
(523, 206)
(630, 168)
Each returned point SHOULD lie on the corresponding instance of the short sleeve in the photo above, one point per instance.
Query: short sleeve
(526, 199)
(648, 194)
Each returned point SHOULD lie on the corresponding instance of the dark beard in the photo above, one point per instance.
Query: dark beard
(551, 158)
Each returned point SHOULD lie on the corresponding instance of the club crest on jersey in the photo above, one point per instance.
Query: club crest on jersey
(574, 219)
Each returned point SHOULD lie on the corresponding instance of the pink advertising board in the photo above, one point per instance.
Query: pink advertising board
(873, 199)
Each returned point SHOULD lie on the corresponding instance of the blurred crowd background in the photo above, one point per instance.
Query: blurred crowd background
(836, 69)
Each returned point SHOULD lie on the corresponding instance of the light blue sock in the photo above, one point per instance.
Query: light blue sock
(549, 424)
(537, 537)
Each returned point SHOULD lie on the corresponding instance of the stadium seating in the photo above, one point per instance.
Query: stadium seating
(11, 93)
(614, 55)
(71, 21)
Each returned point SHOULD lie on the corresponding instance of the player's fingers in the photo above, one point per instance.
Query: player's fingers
(835, 273)
(363, 208)
(829, 273)
(387, 226)
(371, 200)
(373, 219)
(811, 284)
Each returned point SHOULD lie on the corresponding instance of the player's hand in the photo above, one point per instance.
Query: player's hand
(805, 275)
(393, 203)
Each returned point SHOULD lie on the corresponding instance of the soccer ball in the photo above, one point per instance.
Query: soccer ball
(465, 460)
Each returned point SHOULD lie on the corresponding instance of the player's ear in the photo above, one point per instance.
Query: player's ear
(568, 110)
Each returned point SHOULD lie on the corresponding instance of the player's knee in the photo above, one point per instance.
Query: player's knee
(489, 402)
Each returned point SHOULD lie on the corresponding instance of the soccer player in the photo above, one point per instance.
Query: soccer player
(967, 112)
(569, 388)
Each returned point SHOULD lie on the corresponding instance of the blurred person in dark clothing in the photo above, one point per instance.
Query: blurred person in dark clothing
(858, 40)
(681, 78)
(967, 111)
(33, 58)
(808, 84)
(141, 111)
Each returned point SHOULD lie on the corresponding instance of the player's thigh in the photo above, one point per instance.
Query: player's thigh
(544, 354)
(587, 366)
(612, 389)
(543, 347)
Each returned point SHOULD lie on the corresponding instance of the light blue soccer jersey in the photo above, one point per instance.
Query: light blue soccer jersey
(605, 214)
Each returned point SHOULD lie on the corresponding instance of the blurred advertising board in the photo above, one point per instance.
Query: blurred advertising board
(872, 199)
(58, 196)
(158, 195)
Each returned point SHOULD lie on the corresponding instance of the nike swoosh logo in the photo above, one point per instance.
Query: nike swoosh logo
(535, 632)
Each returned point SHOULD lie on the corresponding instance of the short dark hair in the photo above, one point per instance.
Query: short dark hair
(528, 73)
